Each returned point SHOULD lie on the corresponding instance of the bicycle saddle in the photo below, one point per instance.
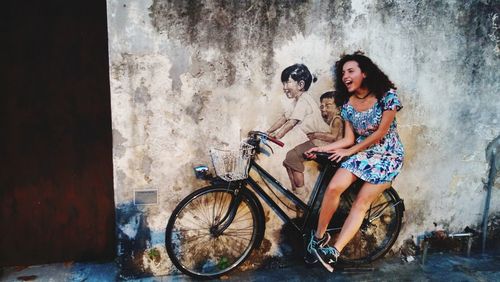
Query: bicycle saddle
(321, 157)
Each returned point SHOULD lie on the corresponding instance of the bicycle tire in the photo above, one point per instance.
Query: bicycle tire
(375, 238)
(188, 239)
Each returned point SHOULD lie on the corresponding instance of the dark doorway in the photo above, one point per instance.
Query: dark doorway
(56, 180)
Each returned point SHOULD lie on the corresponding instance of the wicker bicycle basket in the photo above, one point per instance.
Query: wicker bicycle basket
(232, 165)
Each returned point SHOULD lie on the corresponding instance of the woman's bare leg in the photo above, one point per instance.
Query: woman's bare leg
(368, 193)
(339, 183)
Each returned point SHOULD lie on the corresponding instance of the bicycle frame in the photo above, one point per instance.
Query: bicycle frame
(216, 207)
(308, 209)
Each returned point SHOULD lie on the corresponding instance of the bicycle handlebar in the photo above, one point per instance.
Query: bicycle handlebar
(267, 137)
(276, 141)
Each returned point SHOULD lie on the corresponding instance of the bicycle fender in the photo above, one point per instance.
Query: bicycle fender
(401, 202)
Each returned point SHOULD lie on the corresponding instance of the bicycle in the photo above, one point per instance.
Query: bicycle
(214, 229)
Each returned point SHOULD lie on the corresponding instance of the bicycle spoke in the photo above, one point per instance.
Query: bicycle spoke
(215, 252)
(240, 219)
(238, 235)
(236, 241)
(206, 207)
(213, 209)
(179, 230)
(239, 231)
(219, 206)
(376, 215)
(379, 208)
(199, 208)
(191, 238)
(193, 223)
(242, 214)
(381, 205)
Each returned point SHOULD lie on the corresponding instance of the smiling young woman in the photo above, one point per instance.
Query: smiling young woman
(370, 150)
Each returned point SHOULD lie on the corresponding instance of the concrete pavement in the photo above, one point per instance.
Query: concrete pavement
(439, 267)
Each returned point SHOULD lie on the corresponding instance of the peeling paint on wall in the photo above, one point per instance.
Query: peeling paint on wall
(190, 75)
(133, 239)
(241, 27)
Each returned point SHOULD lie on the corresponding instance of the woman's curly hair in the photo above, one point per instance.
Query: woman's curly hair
(376, 80)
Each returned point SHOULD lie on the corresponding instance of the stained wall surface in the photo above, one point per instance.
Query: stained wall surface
(190, 75)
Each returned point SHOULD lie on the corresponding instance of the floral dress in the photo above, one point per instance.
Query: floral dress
(382, 161)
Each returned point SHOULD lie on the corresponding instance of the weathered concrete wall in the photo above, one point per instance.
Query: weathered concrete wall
(190, 75)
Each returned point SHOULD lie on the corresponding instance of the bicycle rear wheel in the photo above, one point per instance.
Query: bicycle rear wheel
(193, 240)
(379, 230)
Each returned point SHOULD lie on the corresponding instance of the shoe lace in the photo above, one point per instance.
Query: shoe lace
(312, 244)
(330, 251)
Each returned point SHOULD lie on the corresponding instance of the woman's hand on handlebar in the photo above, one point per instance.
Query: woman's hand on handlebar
(340, 154)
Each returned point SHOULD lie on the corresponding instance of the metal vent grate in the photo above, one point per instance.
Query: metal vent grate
(146, 197)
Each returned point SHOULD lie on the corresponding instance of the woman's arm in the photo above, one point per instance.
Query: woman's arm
(385, 123)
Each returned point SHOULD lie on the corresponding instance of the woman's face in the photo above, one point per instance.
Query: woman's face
(352, 76)
(292, 88)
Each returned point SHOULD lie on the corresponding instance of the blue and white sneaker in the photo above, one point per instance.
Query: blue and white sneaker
(310, 256)
(327, 256)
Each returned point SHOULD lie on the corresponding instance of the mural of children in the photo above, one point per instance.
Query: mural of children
(305, 112)
(294, 161)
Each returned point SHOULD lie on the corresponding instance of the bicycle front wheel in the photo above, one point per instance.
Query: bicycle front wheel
(193, 238)
(379, 230)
